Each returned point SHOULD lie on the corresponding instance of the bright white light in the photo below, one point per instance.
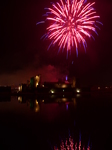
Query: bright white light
(19, 88)
(78, 90)
(52, 91)
(36, 84)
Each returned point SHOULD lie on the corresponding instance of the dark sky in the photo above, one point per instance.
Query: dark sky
(23, 54)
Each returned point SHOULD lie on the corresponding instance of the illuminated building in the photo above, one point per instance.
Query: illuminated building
(35, 81)
(63, 86)
(22, 88)
(57, 85)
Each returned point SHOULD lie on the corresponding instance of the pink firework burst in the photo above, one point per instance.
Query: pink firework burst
(70, 23)
(69, 144)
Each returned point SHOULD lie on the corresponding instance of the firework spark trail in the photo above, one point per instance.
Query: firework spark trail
(70, 23)
(71, 145)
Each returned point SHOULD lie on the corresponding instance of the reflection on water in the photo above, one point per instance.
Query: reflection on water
(78, 95)
(20, 99)
(38, 120)
(70, 144)
(36, 107)
(50, 112)
(35, 103)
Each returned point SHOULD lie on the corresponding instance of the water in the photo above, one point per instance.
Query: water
(42, 123)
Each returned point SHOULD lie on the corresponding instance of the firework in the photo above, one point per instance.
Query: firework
(71, 145)
(70, 23)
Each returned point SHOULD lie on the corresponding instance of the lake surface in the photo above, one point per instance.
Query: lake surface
(37, 123)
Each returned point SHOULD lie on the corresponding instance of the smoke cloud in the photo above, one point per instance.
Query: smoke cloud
(48, 73)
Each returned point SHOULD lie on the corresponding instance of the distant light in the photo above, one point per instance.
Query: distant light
(37, 77)
(66, 106)
(52, 91)
(43, 101)
(64, 99)
(19, 88)
(78, 95)
(36, 102)
(63, 90)
(37, 108)
(66, 78)
(99, 88)
(78, 90)
(64, 86)
(36, 84)
(43, 85)
(20, 99)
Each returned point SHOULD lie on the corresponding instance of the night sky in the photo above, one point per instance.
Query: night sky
(23, 54)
